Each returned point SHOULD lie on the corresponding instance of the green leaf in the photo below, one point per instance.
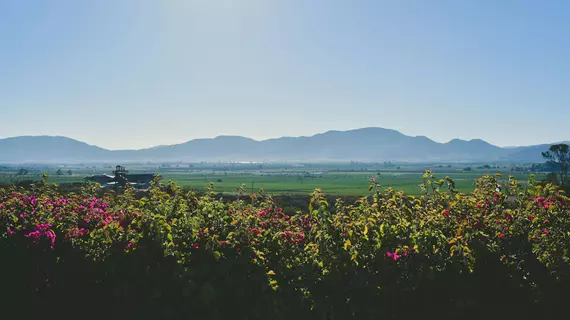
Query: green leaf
(347, 244)
(217, 255)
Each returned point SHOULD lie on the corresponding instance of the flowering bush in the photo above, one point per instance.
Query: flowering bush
(499, 252)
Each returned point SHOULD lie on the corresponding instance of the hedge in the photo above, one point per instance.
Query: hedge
(498, 253)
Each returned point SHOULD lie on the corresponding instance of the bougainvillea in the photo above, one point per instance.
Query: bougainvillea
(379, 247)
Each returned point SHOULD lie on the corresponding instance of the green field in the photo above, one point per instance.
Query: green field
(341, 182)
(334, 184)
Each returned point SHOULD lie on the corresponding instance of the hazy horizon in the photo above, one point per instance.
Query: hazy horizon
(138, 73)
(273, 138)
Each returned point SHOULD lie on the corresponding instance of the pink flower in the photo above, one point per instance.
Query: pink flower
(130, 244)
(196, 246)
(501, 235)
(547, 205)
(545, 231)
(51, 236)
(446, 213)
(254, 231)
(33, 234)
(10, 232)
(42, 229)
(393, 255)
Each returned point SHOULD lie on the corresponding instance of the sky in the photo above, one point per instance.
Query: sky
(131, 74)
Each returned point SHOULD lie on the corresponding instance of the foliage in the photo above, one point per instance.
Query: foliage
(501, 252)
(558, 155)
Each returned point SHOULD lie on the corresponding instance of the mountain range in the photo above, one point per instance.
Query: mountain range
(366, 144)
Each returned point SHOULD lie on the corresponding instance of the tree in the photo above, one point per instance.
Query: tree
(559, 156)
(59, 172)
(69, 172)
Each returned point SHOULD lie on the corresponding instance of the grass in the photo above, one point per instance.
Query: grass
(278, 182)
(334, 184)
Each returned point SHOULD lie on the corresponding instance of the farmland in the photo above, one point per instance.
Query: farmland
(280, 179)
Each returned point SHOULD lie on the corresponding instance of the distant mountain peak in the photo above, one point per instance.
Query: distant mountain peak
(372, 144)
(231, 137)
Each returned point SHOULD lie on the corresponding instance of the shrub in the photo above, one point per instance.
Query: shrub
(501, 252)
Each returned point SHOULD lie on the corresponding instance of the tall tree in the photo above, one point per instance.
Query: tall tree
(559, 156)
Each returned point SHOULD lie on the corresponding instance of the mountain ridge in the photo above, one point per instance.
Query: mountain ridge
(364, 144)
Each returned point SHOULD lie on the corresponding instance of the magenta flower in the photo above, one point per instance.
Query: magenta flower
(393, 255)
(51, 236)
(42, 229)
(547, 205)
(130, 244)
(33, 234)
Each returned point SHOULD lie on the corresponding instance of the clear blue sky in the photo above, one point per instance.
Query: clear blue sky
(138, 73)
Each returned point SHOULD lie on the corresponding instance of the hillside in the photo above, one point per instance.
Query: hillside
(366, 144)
(48, 149)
